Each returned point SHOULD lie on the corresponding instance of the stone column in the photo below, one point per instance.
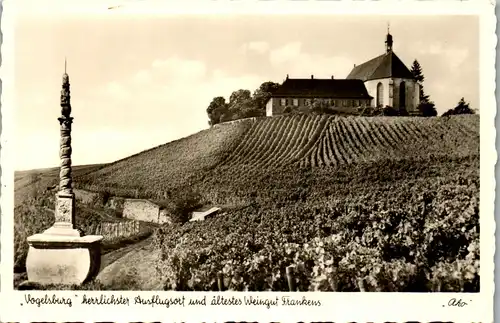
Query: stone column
(65, 198)
(61, 255)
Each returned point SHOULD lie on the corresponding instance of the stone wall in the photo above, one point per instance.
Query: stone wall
(134, 209)
(144, 210)
(251, 119)
(113, 230)
(86, 197)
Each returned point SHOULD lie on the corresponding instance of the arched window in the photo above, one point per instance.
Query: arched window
(380, 95)
(402, 95)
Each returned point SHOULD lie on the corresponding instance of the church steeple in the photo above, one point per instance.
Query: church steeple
(388, 41)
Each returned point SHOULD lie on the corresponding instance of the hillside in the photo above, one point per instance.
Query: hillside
(351, 203)
(305, 140)
(28, 183)
(154, 172)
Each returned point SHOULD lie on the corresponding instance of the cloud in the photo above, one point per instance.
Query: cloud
(182, 69)
(453, 57)
(299, 63)
(259, 47)
(155, 105)
(287, 53)
(142, 77)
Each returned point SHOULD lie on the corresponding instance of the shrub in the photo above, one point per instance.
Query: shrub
(181, 203)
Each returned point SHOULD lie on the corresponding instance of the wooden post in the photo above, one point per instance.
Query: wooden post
(220, 281)
(291, 278)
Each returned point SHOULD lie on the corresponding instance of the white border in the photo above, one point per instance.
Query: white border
(336, 306)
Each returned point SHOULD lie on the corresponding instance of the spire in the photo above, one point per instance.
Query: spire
(65, 93)
(388, 40)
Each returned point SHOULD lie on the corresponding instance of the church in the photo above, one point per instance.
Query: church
(382, 81)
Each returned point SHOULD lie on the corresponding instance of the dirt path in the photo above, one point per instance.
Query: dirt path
(112, 256)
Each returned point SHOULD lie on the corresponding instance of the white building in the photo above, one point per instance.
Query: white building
(389, 81)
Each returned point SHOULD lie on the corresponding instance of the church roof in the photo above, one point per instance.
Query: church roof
(323, 88)
(383, 66)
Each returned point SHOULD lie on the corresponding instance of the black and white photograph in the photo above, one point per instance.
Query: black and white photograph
(240, 153)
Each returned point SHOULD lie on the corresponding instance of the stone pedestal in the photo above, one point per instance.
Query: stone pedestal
(61, 259)
(64, 216)
(60, 255)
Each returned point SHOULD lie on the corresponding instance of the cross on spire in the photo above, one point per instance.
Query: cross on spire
(65, 65)
(388, 40)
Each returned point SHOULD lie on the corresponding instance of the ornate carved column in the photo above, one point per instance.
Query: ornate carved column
(61, 255)
(65, 198)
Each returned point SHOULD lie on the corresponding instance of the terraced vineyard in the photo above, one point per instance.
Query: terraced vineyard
(353, 139)
(154, 172)
(246, 148)
(278, 141)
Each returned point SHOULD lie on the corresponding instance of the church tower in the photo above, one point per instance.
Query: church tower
(388, 41)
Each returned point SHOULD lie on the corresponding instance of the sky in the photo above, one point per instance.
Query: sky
(138, 82)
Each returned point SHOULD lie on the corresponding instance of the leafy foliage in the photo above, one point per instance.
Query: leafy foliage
(426, 106)
(462, 108)
(242, 104)
(372, 228)
(216, 110)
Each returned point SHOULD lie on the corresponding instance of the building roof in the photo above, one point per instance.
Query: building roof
(383, 66)
(323, 88)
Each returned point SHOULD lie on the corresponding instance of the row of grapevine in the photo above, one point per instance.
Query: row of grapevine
(279, 141)
(353, 139)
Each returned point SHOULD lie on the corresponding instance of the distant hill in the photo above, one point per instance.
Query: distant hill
(302, 141)
(30, 181)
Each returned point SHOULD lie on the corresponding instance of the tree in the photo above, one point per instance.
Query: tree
(462, 108)
(426, 106)
(416, 70)
(216, 110)
(428, 109)
(241, 104)
(263, 94)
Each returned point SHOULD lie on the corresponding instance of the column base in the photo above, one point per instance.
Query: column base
(56, 258)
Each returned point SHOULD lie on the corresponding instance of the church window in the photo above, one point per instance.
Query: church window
(402, 95)
(295, 102)
(283, 102)
(380, 95)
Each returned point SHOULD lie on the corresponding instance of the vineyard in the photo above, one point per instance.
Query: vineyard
(247, 148)
(153, 173)
(389, 204)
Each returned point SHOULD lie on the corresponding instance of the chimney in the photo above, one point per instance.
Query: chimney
(332, 77)
(287, 76)
(354, 65)
(312, 76)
